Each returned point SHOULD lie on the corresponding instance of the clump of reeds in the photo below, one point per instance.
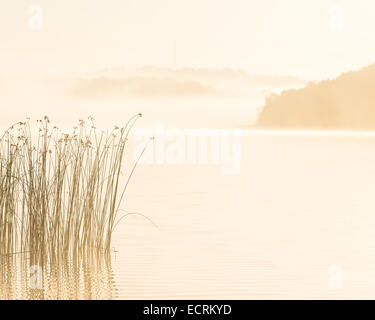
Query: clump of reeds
(60, 193)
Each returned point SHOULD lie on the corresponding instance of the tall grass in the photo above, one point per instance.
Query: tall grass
(61, 193)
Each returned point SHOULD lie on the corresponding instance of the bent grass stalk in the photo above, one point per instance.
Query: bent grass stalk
(61, 193)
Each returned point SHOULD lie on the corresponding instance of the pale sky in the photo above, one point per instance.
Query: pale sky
(310, 39)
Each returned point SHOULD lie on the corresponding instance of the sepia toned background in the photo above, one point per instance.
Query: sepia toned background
(295, 77)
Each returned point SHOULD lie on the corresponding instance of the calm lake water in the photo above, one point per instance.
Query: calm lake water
(298, 217)
(297, 222)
